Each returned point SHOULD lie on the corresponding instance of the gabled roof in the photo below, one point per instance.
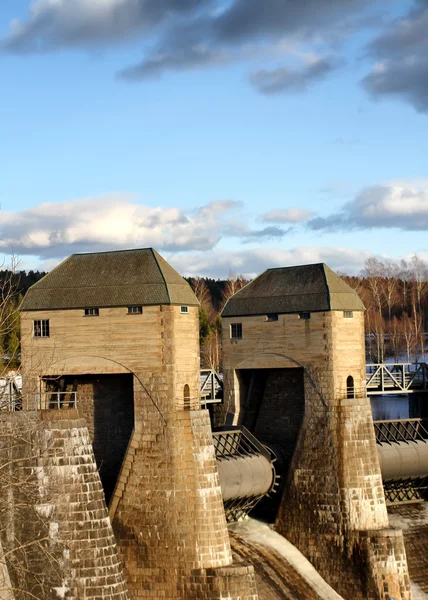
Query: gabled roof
(307, 288)
(108, 279)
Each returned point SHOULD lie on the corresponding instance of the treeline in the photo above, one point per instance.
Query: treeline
(212, 295)
(396, 299)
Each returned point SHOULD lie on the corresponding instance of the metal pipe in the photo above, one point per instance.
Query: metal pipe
(245, 476)
(403, 460)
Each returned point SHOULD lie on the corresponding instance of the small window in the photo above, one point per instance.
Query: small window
(236, 331)
(41, 328)
(92, 312)
(350, 390)
(348, 314)
(135, 310)
(271, 318)
(184, 309)
(305, 316)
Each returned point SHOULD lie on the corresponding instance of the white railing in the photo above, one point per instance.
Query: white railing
(55, 400)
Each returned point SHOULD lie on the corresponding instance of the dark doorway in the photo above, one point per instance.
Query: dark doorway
(107, 404)
(272, 407)
(350, 389)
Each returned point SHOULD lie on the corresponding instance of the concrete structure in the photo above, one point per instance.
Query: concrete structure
(294, 372)
(119, 331)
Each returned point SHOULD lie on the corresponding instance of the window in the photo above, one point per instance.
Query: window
(92, 312)
(184, 310)
(348, 314)
(305, 316)
(236, 331)
(271, 317)
(41, 328)
(135, 310)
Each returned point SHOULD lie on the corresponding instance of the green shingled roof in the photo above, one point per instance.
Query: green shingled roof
(307, 288)
(104, 279)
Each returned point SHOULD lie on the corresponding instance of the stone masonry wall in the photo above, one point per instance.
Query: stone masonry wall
(59, 516)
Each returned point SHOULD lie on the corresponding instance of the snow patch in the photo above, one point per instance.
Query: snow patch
(62, 590)
(418, 593)
(260, 533)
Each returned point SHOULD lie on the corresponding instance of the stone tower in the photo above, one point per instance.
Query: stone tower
(294, 372)
(116, 333)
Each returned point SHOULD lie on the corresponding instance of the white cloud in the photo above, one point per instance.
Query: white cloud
(115, 221)
(251, 262)
(400, 204)
(288, 215)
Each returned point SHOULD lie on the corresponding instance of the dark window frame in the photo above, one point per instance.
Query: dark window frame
(135, 310)
(184, 310)
(236, 331)
(348, 314)
(305, 315)
(271, 318)
(41, 328)
(91, 312)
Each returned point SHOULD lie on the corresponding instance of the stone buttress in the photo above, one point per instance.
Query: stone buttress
(55, 529)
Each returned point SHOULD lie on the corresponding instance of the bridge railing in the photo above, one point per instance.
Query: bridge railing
(211, 387)
(396, 378)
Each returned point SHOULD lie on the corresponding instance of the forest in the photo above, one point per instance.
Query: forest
(395, 295)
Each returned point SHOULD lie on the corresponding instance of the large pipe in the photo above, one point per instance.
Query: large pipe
(245, 476)
(403, 460)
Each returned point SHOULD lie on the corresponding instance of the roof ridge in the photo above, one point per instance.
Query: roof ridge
(162, 273)
(108, 252)
(326, 285)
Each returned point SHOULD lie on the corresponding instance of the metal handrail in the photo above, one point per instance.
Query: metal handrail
(55, 400)
(401, 431)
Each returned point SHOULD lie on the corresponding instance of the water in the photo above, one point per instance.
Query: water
(401, 406)
(388, 408)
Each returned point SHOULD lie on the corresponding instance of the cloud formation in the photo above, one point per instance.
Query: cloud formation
(288, 215)
(400, 51)
(400, 205)
(251, 262)
(56, 230)
(188, 34)
(116, 221)
(285, 79)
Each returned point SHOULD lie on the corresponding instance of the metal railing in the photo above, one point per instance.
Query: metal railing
(211, 387)
(10, 402)
(401, 430)
(356, 392)
(232, 443)
(55, 400)
(396, 378)
(229, 443)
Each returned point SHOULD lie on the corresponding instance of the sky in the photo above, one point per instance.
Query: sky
(230, 135)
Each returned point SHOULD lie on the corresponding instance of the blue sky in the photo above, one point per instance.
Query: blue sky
(229, 136)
